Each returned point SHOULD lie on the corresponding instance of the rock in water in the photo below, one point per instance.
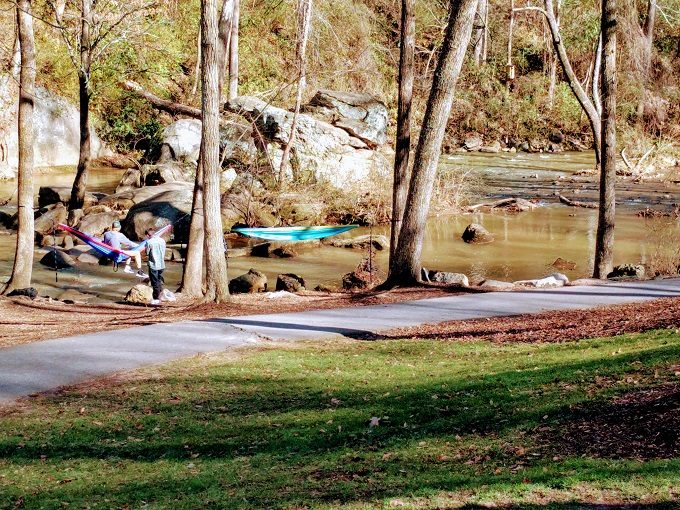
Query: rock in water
(57, 259)
(290, 282)
(448, 278)
(251, 282)
(476, 234)
(378, 242)
(48, 221)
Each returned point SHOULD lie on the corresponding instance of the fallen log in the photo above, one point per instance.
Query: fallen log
(161, 104)
(518, 204)
(576, 203)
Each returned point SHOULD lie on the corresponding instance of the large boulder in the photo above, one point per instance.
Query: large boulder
(57, 259)
(182, 141)
(96, 224)
(250, 283)
(153, 175)
(127, 199)
(47, 222)
(172, 206)
(290, 282)
(56, 122)
(476, 234)
(447, 278)
(377, 242)
(362, 115)
(320, 150)
(48, 195)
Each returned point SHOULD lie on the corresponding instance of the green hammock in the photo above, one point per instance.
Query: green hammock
(294, 233)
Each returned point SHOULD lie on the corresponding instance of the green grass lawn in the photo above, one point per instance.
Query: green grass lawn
(344, 424)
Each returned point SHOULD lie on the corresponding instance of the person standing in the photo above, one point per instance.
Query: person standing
(155, 251)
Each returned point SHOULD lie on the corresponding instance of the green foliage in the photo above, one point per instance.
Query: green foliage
(454, 423)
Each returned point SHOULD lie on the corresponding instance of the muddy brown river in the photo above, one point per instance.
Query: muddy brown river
(526, 244)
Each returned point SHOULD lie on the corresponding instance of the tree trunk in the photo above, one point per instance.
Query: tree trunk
(574, 83)
(80, 182)
(480, 33)
(192, 276)
(15, 63)
(553, 64)
(23, 256)
(403, 142)
(647, 36)
(304, 12)
(456, 40)
(224, 36)
(217, 288)
(604, 247)
(233, 52)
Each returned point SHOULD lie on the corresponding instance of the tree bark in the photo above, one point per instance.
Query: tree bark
(403, 142)
(647, 35)
(217, 288)
(456, 40)
(481, 31)
(80, 182)
(233, 52)
(193, 274)
(304, 12)
(604, 246)
(23, 255)
(15, 62)
(224, 29)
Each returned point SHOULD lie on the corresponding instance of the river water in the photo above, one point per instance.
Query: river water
(526, 244)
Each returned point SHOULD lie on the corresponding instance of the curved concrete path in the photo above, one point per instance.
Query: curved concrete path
(47, 365)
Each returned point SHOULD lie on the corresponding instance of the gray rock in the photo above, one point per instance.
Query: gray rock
(448, 278)
(88, 258)
(290, 282)
(473, 143)
(252, 282)
(56, 122)
(51, 241)
(48, 195)
(378, 242)
(281, 249)
(127, 199)
(131, 179)
(96, 209)
(57, 259)
(96, 224)
(48, 221)
(628, 271)
(68, 243)
(361, 115)
(139, 295)
(493, 148)
(497, 284)
(476, 234)
(322, 151)
(172, 206)
(29, 292)
(227, 179)
(556, 137)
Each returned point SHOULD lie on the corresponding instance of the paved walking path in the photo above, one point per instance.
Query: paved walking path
(42, 366)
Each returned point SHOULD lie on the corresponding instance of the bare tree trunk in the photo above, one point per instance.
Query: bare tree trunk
(510, 69)
(217, 288)
(23, 256)
(604, 247)
(403, 142)
(456, 40)
(480, 32)
(553, 64)
(224, 29)
(304, 12)
(574, 83)
(597, 70)
(80, 182)
(197, 69)
(233, 52)
(15, 62)
(647, 47)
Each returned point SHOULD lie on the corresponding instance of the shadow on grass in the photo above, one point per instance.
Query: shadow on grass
(248, 439)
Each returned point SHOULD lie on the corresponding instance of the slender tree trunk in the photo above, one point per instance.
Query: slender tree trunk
(456, 40)
(604, 248)
(304, 12)
(403, 142)
(217, 288)
(23, 256)
(574, 83)
(647, 47)
(80, 182)
(15, 63)
(510, 69)
(553, 64)
(197, 69)
(480, 32)
(233, 52)
(597, 71)
(224, 36)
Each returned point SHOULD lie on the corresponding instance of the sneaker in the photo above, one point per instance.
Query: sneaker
(140, 274)
(155, 302)
(128, 269)
(167, 296)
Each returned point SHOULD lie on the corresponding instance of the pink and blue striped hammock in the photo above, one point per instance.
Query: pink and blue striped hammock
(106, 250)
